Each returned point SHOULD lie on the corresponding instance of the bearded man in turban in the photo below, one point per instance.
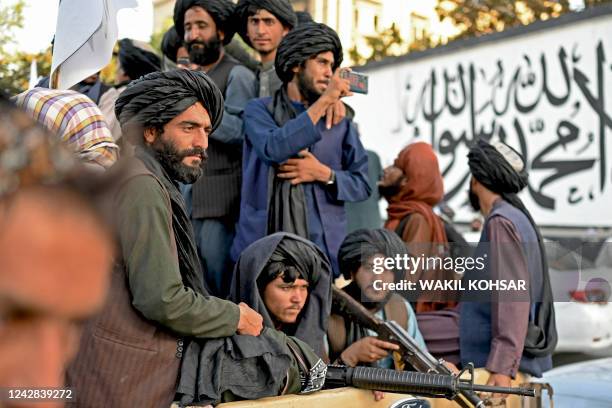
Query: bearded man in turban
(207, 26)
(516, 334)
(297, 173)
(131, 352)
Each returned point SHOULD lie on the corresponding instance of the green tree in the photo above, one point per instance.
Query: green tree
(388, 42)
(477, 17)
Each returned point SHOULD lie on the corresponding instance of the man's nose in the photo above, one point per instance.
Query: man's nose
(260, 27)
(192, 34)
(201, 139)
(297, 296)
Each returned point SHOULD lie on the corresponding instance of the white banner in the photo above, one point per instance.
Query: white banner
(85, 35)
(547, 93)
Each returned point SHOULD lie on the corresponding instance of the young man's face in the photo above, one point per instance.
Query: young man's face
(56, 258)
(314, 77)
(365, 277)
(285, 301)
(265, 32)
(181, 147)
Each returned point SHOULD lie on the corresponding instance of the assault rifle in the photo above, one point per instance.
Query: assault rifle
(459, 390)
(410, 382)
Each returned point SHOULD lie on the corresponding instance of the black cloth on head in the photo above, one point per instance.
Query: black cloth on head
(492, 170)
(362, 244)
(171, 42)
(157, 98)
(304, 256)
(222, 11)
(280, 8)
(303, 17)
(304, 42)
(135, 61)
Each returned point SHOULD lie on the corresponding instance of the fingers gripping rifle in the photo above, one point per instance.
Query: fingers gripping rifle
(460, 391)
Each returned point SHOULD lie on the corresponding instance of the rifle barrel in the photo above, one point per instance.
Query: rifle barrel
(528, 392)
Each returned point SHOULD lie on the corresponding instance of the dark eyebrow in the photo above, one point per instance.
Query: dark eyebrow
(190, 123)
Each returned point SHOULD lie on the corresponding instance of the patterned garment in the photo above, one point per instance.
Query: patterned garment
(29, 155)
(76, 119)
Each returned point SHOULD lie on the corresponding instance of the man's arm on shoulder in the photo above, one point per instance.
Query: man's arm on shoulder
(240, 90)
(352, 181)
(509, 319)
(153, 269)
(274, 144)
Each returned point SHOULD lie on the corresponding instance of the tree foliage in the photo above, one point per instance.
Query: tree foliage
(477, 17)
(15, 65)
(384, 44)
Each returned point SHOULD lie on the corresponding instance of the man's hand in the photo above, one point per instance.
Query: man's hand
(336, 89)
(250, 322)
(499, 380)
(367, 350)
(334, 114)
(305, 169)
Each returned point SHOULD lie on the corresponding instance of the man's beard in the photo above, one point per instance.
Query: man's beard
(206, 53)
(390, 191)
(307, 88)
(474, 201)
(172, 161)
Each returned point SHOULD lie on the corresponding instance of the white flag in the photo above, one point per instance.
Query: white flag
(85, 35)
(33, 74)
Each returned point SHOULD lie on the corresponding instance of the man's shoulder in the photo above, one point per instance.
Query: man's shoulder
(240, 71)
(258, 104)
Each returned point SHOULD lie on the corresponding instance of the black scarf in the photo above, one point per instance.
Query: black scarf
(189, 262)
(287, 208)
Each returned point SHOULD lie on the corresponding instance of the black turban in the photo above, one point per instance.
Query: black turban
(303, 17)
(304, 42)
(159, 97)
(360, 245)
(222, 11)
(136, 61)
(170, 44)
(280, 8)
(498, 167)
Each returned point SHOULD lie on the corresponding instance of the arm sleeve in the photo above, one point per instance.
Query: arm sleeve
(240, 90)
(274, 144)
(153, 270)
(352, 181)
(509, 319)
(413, 327)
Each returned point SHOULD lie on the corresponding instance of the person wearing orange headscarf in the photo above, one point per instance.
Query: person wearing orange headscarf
(413, 186)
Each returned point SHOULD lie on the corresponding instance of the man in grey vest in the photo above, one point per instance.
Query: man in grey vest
(206, 26)
(509, 331)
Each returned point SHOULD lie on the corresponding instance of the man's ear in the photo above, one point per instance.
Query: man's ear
(221, 35)
(150, 135)
(285, 31)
